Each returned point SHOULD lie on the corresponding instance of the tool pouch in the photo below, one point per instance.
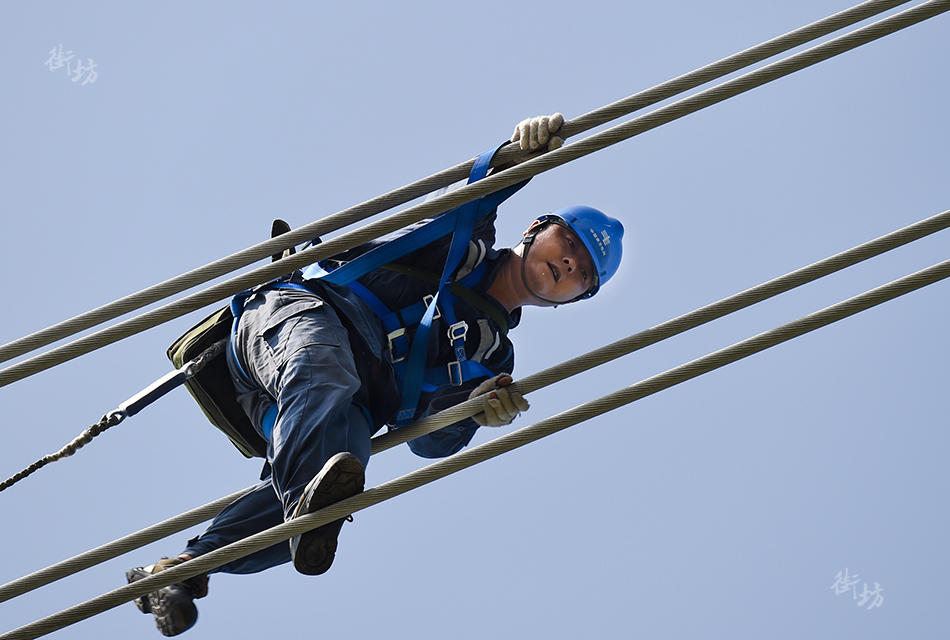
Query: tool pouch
(212, 387)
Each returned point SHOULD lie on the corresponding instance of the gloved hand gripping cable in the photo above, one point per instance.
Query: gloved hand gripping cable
(130, 407)
(501, 402)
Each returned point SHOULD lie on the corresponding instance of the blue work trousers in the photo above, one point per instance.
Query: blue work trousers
(294, 351)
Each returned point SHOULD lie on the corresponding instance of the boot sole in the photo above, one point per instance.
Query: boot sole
(132, 575)
(343, 476)
(171, 606)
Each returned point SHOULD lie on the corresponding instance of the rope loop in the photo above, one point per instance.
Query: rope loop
(105, 422)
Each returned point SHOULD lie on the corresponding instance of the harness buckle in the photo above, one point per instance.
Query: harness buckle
(391, 336)
(458, 331)
(427, 300)
(455, 373)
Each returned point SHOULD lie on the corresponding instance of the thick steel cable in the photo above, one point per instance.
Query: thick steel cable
(484, 452)
(117, 547)
(724, 67)
(493, 183)
(421, 187)
(526, 385)
(675, 326)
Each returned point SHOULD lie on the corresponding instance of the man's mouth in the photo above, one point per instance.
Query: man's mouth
(554, 272)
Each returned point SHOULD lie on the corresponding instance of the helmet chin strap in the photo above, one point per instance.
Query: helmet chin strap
(527, 242)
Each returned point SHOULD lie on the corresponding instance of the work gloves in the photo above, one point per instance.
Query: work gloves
(534, 133)
(500, 405)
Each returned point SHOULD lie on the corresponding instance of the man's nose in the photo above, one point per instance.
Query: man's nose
(569, 263)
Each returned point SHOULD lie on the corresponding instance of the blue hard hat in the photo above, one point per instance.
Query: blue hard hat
(601, 235)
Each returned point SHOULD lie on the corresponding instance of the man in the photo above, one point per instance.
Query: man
(319, 367)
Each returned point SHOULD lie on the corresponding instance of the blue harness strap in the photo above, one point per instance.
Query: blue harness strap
(410, 361)
(465, 215)
(268, 421)
(395, 330)
(416, 239)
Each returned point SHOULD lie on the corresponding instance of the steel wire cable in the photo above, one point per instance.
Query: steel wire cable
(528, 384)
(448, 176)
(117, 547)
(508, 177)
(481, 453)
(724, 67)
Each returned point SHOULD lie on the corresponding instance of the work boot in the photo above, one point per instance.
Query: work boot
(341, 477)
(172, 606)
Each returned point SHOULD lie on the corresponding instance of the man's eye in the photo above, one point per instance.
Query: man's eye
(584, 273)
(570, 242)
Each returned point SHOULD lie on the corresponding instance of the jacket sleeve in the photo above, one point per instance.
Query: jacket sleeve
(432, 256)
(450, 439)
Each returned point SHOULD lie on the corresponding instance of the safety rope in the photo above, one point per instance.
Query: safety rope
(426, 185)
(526, 385)
(481, 453)
(130, 407)
(107, 421)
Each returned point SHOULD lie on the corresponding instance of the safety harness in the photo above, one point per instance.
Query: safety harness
(409, 358)
(398, 325)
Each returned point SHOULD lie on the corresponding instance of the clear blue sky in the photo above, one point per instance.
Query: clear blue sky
(720, 508)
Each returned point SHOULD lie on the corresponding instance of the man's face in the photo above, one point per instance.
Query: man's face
(558, 266)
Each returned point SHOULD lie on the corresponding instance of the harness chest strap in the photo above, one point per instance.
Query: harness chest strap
(396, 322)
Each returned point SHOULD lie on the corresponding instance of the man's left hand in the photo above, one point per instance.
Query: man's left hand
(537, 132)
(501, 404)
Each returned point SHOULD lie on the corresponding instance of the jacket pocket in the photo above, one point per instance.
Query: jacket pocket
(290, 304)
(299, 319)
